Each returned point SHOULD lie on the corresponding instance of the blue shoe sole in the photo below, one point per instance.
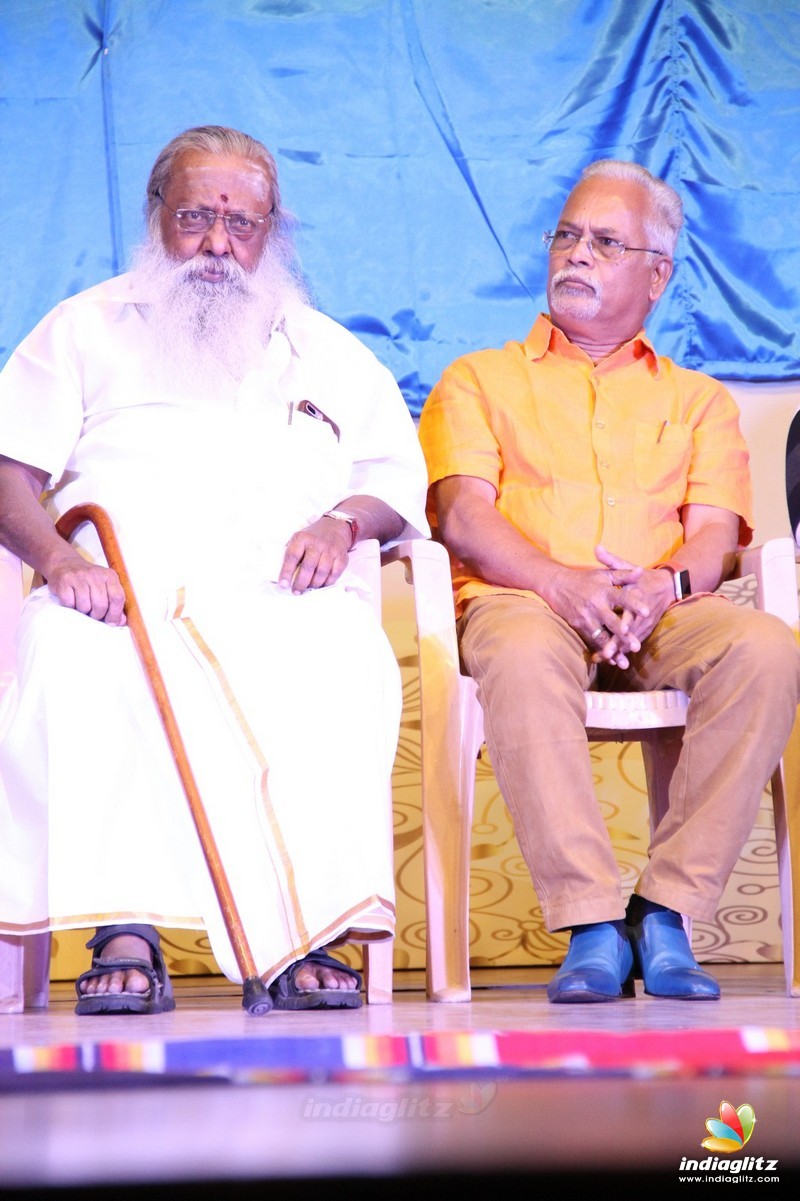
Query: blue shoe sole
(598, 967)
(586, 996)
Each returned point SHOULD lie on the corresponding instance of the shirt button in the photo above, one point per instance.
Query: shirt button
(603, 463)
(601, 425)
(611, 501)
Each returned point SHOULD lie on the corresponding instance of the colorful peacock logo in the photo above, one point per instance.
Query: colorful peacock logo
(731, 1130)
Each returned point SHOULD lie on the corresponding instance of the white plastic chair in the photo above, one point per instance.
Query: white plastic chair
(25, 959)
(452, 735)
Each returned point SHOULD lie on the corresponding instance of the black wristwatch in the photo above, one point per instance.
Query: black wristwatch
(680, 581)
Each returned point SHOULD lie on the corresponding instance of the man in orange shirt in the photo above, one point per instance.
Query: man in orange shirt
(592, 494)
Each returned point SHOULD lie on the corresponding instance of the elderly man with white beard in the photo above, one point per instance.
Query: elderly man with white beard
(242, 443)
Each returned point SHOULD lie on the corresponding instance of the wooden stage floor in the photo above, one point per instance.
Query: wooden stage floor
(365, 1136)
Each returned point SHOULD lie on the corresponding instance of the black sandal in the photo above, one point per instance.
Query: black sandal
(159, 996)
(287, 995)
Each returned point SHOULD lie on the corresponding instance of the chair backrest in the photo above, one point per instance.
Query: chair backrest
(793, 476)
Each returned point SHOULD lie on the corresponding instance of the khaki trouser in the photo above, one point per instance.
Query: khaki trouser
(741, 669)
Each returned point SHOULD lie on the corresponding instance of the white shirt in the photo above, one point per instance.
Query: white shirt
(185, 480)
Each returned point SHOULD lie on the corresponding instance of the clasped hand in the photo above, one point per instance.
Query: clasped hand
(614, 610)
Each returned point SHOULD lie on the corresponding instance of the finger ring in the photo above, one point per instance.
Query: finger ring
(593, 637)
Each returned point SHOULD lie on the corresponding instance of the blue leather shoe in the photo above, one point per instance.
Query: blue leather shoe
(664, 959)
(598, 967)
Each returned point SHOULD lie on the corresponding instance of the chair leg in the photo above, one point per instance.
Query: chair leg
(378, 957)
(12, 993)
(446, 846)
(787, 846)
(448, 753)
(24, 972)
(449, 790)
(36, 971)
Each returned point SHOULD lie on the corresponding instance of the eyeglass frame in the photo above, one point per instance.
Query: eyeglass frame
(258, 217)
(548, 236)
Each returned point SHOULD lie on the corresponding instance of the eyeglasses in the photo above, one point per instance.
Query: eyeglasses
(565, 240)
(198, 221)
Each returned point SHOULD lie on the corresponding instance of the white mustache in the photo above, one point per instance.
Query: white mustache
(566, 276)
(229, 270)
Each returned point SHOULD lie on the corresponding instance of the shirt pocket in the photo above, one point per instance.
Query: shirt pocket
(661, 456)
(314, 462)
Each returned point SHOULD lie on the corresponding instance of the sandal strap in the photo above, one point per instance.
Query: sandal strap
(321, 956)
(104, 934)
(156, 971)
(104, 967)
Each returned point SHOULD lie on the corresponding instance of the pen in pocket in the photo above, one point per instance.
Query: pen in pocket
(305, 406)
(661, 431)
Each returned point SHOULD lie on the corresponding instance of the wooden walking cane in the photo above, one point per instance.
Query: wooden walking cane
(256, 998)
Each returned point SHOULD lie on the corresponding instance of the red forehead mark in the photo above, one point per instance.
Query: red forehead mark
(223, 198)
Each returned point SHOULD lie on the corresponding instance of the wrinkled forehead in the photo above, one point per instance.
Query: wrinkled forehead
(204, 179)
(606, 205)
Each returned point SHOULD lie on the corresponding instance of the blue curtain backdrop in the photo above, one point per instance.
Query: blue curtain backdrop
(423, 146)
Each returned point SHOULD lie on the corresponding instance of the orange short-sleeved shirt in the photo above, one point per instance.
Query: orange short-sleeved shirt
(582, 453)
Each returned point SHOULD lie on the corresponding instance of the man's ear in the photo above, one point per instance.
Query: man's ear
(662, 270)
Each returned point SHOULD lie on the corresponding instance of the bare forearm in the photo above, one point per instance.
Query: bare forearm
(588, 599)
(28, 532)
(25, 528)
(708, 552)
(375, 518)
(491, 547)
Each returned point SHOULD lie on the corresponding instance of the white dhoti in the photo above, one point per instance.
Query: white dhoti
(289, 708)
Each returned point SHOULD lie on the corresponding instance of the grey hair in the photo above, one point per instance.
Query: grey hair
(210, 139)
(664, 217)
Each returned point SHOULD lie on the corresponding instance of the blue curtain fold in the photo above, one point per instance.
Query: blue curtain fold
(424, 146)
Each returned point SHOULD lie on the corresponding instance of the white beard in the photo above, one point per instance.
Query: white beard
(579, 303)
(207, 335)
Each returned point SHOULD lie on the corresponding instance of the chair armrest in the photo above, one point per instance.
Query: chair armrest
(364, 561)
(773, 565)
(427, 569)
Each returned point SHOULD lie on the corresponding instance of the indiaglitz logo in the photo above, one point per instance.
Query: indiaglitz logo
(728, 1133)
(732, 1130)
